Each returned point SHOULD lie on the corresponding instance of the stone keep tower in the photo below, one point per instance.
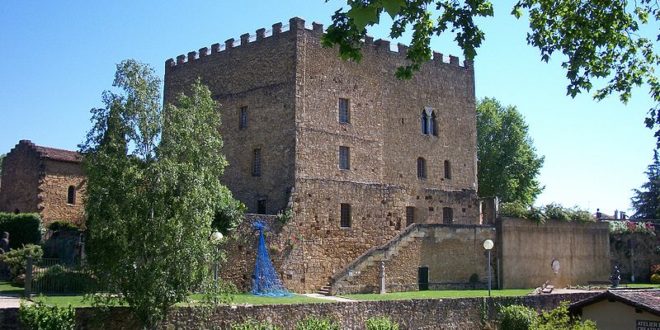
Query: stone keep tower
(356, 153)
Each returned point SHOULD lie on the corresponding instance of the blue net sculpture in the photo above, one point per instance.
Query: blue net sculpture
(265, 281)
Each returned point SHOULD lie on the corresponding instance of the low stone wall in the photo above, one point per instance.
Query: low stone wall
(462, 313)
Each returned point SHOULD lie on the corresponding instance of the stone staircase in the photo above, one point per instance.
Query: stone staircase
(324, 290)
(374, 256)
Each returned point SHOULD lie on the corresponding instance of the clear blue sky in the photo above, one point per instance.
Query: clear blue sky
(58, 56)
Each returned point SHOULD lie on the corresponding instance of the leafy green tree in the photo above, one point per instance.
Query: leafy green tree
(646, 200)
(508, 163)
(601, 41)
(152, 192)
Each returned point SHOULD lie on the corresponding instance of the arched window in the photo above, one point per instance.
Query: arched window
(425, 123)
(428, 121)
(447, 169)
(421, 168)
(71, 195)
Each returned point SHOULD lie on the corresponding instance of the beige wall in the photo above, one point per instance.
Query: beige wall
(615, 315)
(528, 249)
(53, 192)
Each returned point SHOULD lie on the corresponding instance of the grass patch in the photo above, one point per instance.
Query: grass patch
(640, 285)
(6, 288)
(432, 294)
(239, 299)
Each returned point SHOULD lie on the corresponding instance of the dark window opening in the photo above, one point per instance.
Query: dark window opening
(345, 221)
(256, 162)
(344, 111)
(447, 215)
(447, 169)
(425, 123)
(421, 168)
(344, 158)
(261, 206)
(71, 195)
(410, 215)
(433, 126)
(243, 118)
(423, 278)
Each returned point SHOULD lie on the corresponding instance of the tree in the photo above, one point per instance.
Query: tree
(152, 191)
(508, 164)
(600, 40)
(646, 201)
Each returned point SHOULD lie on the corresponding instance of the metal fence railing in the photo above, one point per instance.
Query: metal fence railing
(51, 275)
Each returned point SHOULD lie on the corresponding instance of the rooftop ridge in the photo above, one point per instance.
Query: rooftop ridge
(51, 153)
(295, 24)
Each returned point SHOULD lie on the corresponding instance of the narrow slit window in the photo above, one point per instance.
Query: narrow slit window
(71, 195)
(447, 169)
(243, 118)
(344, 111)
(410, 215)
(345, 215)
(256, 162)
(447, 215)
(421, 168)
(425, 123)
(344, 158)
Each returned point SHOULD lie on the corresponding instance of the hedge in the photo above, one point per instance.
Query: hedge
(23, 228)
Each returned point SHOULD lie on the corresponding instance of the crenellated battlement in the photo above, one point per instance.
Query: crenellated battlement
(297, 24)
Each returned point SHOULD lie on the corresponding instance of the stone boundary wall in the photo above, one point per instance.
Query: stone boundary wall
(460, 313)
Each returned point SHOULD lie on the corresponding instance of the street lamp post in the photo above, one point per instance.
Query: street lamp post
(215, 239)
(488, 245)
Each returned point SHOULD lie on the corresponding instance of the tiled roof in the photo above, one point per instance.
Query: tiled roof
(53, 153)
(645, 299)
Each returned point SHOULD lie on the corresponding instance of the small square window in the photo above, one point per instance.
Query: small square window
(344, 158)
(345, 221)
(344, 111)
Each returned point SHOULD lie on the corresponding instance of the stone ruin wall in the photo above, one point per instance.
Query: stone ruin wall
(21, 172)
(53, 193)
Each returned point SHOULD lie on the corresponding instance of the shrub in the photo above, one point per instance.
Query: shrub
(557, 212)
(655, 278)
(517, 317)
(655, 269)
(63, 225)
(16, 259)
(560, 319)
(381, 323)
(514, 210)
(313, 323)
(536, 214)
(581, 215)
(23, 228)
(40, 316)
(59, 279)
(254, 325)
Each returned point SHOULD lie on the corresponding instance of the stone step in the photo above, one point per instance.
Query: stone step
(324, 290)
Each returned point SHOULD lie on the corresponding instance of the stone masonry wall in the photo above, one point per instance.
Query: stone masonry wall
(464, 313)
(53, 192)
(452, 254)
(527, 250)
(258, 75)
(21, 171)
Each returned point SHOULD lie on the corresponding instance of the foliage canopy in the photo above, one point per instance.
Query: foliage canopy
(600, 41)
(508, 163)
(152, 191)
(646, 200)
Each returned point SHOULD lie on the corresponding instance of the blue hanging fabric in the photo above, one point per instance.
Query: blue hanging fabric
(265, 281)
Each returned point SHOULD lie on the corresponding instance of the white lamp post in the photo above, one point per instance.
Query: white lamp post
(488, 245)
(216, 238)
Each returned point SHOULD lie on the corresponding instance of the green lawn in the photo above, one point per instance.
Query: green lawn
(437, 294)
(640, 285)
(239, 299)
(7, 288)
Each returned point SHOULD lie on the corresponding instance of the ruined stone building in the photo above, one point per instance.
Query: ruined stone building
(356, 153)
(43, 180)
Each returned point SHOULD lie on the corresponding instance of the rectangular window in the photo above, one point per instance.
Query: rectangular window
(344, 111)
(256, 162)
(344, 158)
(447, 169)
(410, 215)
(345, 221)
(447, 215)
(243, 119)
(261, 206)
